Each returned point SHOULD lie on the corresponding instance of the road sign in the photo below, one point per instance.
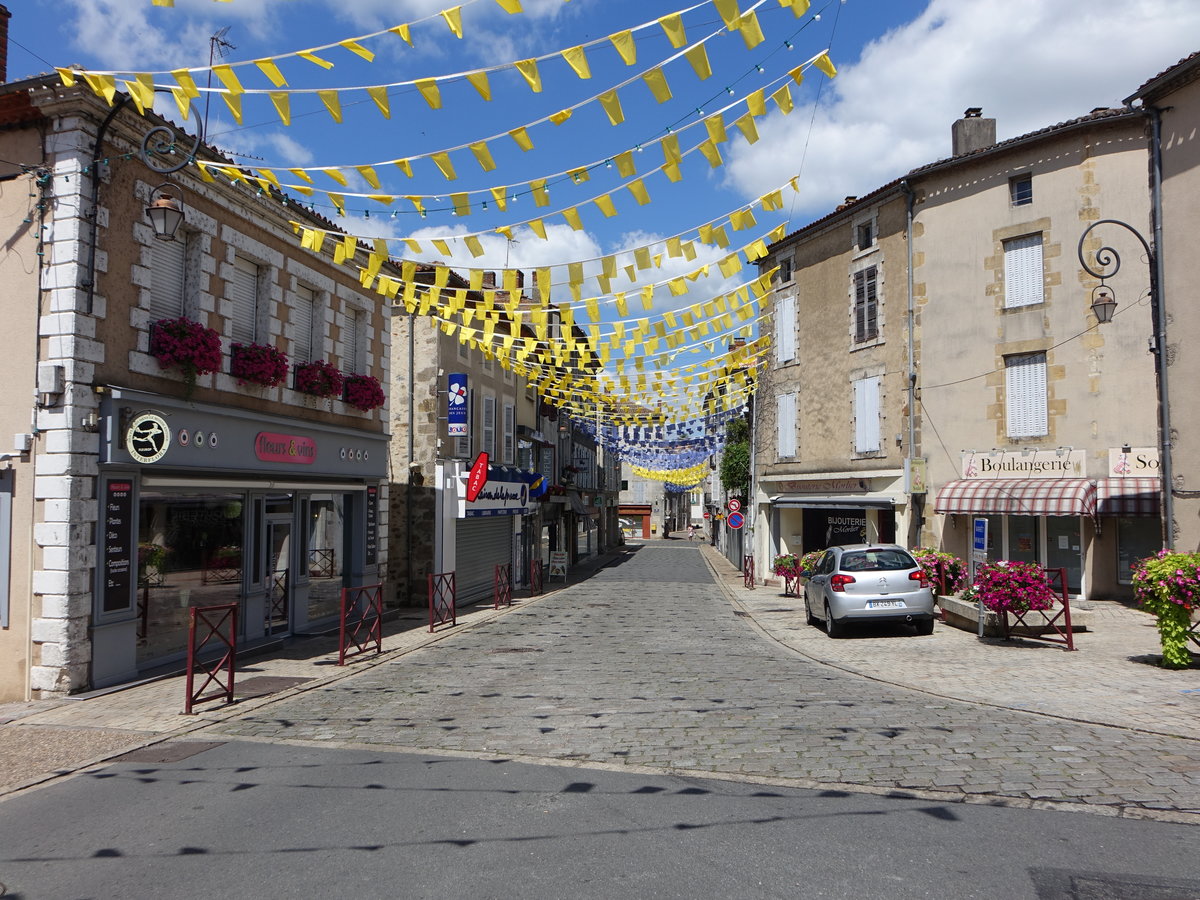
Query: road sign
(734, 504)
(706, 515)
(735, 520)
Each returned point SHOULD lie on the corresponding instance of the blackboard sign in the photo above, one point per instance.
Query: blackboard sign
(119, 550)
(372, 540)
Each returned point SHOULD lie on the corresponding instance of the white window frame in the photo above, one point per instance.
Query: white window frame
(510, 432)
(785, 426)
(245, 295)
(1013, 185)
(868, 408)
(1024, 278)
(1025, 399)
(785, 329)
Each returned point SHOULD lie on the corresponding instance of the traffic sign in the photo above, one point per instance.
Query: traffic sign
(706, 515)
(735, 520)
(734, 504)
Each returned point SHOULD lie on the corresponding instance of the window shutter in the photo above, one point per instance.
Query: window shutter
(785, 329)
(350, 330)
(1023, 279)
(510, 420)
(1025, 393)
(243, 292)
(786, 424)
(302, 319)
(489, 427)
(168, 262)
(866, 313)
(866, 415)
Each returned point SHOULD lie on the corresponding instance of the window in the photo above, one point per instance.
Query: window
(1020, 190)
(489, 426)
(864, 235)
(785, 270)
(168, 264)
(1137, 539)
(510, 428)
(786, 425)
(243, 292)
(866, 416)
(464, 352)
(351, 329)
(866, 305)
(489, 363)
(303, 314)
(1025, 395)
(1023, 281)
(785, 329)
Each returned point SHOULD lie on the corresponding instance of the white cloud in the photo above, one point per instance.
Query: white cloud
(1027, 63)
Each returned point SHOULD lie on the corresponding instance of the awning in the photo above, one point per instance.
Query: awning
(1128, 496)
(577, 504)
(822, 501)
(1018, 497)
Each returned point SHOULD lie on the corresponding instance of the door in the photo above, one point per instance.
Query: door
(1063, 545)
(279, 575)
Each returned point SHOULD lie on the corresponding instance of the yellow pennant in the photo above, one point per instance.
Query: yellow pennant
(641, 258)
(442, 247)
(579, 176)
(229, 79)
(541, 197)
(656, 80)
(332, 103)
(751, 30)
(483, 155)
(380, 96)
(234, 102)
(673, 249)
(561, 116)
(698, 57)
(358, 50)
(710, 152)
(337, 176)
(453, 17)
(825, 64)
(783, 99)
(538, 227)
(105, 86)
(67, 76)
(479, 81)
(623, 41)
(430, 91)
(442, 161)
(267, 67)
(625, 164)
(462, 205)
(405, 33)
(510, 6)
(612, 106)
(404, 166)
(756, 103)
(747, 127)
(314, 59)
(638, 189)
(500, 195)
(474, 245)
(577, 59)
(605, 205)
(282, 103)
(529, 71)
(799, 7)
(672, 26)
(521, 136)
(715, 125)
(772, 202)
(670, 149)
(673, 172)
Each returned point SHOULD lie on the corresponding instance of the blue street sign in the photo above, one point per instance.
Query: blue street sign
(735, 520)
(979, 539)
(456, 405)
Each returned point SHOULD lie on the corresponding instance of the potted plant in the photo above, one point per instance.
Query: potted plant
(1168, 585)
(318, 378)
(786, 564)
(944, 570)
(363, 392)
(258, 364)
(1006, 586)
(185, 345)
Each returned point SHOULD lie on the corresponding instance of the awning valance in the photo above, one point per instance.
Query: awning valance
(1128, 496)
(1018, 497)
(821, 501)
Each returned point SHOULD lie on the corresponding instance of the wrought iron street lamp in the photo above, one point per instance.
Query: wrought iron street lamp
(165, 211)
(1104, 304)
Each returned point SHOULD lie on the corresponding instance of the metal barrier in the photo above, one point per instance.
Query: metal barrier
(502, 595)
(222, 568)
(791, 584)
(443, 602)
(748, 572)
(536, 582)
(212, 619)
(1059, 622)
(362, 621)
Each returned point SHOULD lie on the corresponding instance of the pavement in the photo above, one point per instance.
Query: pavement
(602, 671)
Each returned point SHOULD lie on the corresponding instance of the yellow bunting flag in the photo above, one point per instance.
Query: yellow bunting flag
(229, 79)
(612, 106)
(473, 245)
(579, 176)
(673, 249)
(577, 60)
(561, 116)
(751, 30)
(538, 227)
(625, 164)
(825, 64)
(442, 247)
(641, 257)
(369, 175)
(756, 250)
(104, 86)
(638, 189)
(462, 204)
(541, 197)
(521, 136)
(730, 265)
(234, 102)
(483, 155)
(747, 127)
(670, 149)
(358, 50)
(756, 103)
(715, 125)
(380, 96)
(339, 203)
(529, 71)
(656, 80)
(314, 59)
(623, 41)
(605, 204)
(442, 161)
(672, 26)
(500, 195)
(405, 33)
(772, 202)
(430, 91)
(783, 99)
(332, 103)
(67, 76)
(677, 286)
(282, 106)
(404, 166)
(797, 74)
(698, 57)
(673, 172)
(710, 152)
(184, 79)
(799, 7)
(453, 17)
(479, 81)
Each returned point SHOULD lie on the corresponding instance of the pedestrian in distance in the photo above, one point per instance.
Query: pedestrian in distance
(691, 532)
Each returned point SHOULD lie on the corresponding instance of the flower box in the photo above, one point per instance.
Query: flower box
(363, 392)
(318, 378)
(258, 364)
(185, 345)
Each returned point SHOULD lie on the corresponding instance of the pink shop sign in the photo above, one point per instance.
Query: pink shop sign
(285, 448)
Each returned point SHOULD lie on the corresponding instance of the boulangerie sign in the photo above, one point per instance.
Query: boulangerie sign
(1059, 463)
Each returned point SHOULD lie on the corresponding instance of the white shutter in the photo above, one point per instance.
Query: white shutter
(510, 427)
(1025, 395)
(786, 424)
(168, 262)
(866, 415)
(489, 427)
(1023, 280)
(302, 322)
(350, 329)
(243, 292)
(785, 329)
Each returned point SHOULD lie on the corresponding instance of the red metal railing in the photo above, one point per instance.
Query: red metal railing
(791, 584)
(1058, 620)
(362, 621)
(443, 600)
(536, 582)
(502, 595)
(217, 624)
(748, 572)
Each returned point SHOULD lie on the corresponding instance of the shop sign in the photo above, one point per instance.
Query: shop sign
(916, 470)
(1057, 463)
(285, 448)
(372, 535)
(456, 405)
(820, 486)
(1133, 462)
(148, 438)
(118, 546)
(498, 497)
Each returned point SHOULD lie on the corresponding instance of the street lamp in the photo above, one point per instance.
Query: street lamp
(1104, 304)
(165, 211)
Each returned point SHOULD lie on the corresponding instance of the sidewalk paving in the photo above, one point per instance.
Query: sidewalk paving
(1111, 679)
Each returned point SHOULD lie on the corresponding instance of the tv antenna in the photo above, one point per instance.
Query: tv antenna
(217, 46)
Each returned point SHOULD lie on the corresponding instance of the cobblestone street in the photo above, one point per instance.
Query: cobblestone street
(648, 664)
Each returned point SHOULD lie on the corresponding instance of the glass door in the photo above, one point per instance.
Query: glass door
(279, 578)
(1063, 549)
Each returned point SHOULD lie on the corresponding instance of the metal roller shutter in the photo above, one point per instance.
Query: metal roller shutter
(480, 545)
(243, 293)
(168, 260)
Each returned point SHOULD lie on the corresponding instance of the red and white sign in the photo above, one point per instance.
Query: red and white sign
(478, 477)
(285, 448)
(734, 504)
(707, 515)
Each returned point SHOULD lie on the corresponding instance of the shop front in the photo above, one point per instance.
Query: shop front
(203, 505)
(811, 514)
(489, 530)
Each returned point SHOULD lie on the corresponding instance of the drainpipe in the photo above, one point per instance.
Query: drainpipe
(910, 200)
(408, 488)
(1158, 310)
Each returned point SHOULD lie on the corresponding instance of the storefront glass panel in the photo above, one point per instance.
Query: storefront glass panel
(1137, 538)
(326, 554)
(1023, 540)
(1063, 549)
(190, 551)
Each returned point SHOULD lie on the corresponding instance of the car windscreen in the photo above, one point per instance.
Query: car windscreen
(876, 560)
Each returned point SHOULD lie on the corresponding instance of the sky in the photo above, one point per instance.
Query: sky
(906, 70)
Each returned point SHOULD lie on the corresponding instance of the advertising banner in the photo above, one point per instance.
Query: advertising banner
(456, 405)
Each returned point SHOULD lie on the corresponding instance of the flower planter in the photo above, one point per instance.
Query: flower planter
(259, 364)
(363, 392)
(964, 615)
(318, 379)
(187, 346)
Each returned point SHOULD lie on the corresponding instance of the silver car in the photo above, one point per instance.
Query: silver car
(868, 583)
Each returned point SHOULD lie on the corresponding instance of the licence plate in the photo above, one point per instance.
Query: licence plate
(885, 604)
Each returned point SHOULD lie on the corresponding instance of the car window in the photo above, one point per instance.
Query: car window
(877, 560)
(826, 565)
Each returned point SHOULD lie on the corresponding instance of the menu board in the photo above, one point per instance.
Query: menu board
(372, 540)
(117, 594)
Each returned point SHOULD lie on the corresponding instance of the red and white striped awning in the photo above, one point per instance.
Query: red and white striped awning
(1128, 496)
(1018, 497)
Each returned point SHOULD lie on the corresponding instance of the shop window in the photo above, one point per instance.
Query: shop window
(1025, 395)
(1024, 539)
(1024, 283)
(1137, 538)
(785, 329)
(326, 541)
(168, 278)
(243, 294)
(866, 305)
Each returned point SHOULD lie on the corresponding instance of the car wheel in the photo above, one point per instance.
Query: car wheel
(833, 627)
(925, 626)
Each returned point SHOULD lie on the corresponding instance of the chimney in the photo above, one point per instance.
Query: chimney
(489, 280)
(5, 15)
(972, 132)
